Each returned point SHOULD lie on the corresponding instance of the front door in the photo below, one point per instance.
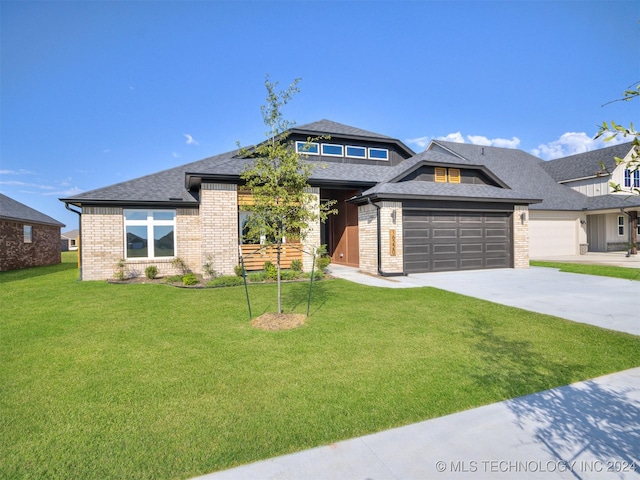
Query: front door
(342, 229)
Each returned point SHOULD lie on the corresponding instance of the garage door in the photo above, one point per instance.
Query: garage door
(442, 241)
(552, 237)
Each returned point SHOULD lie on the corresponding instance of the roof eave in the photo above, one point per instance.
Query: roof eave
(361, 199)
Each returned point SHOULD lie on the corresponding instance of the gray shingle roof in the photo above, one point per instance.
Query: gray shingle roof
(604, 202)
(14, 210)
(327, 127)
(586, 165)
(521, 171)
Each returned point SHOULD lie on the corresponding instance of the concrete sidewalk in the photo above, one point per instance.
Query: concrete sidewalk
(588, 430)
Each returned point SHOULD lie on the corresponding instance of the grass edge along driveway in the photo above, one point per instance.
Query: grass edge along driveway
(150, 381)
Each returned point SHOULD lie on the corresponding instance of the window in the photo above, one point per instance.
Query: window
(27, 231)
(454, 175)
(636, 179)
(627, 177)
(621, 226)
(332, 150)
(150, 233)
(441, 174)
(356, 152)
(307, 148)
(379, 154)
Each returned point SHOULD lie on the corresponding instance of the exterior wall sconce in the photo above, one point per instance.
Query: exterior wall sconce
(523, 217)
(393, 216)
(583, 222)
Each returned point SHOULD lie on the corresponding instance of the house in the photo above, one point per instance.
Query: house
(28, 238)
(451, 207)
(611, 222)
(69, 240)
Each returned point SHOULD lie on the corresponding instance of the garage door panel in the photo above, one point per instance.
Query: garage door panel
(444, 241)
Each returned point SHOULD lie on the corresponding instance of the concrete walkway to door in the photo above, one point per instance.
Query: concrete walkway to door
(602, 301)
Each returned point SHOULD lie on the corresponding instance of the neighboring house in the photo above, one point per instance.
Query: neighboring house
(69, 240)
(28, 238)
(451, 207)
(611, 222)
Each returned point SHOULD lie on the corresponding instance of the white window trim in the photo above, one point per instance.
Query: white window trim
(341, 147)
(300, 148)
(620, 226)
(377, 158)
(346, 152)
(149, 222)
(27, 233)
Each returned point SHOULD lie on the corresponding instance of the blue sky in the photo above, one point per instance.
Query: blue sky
(95, 93)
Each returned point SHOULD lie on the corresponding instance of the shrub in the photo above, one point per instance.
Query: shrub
(317, 275)
(189, 279)
(289, 274)
(226, 281)
(322, 263)
(173, 279)
(238, 270)
(260, 276)
(151, 272)
(208, 269)
(296, 265)
(179, 264)
(120, 272)
(271, 270)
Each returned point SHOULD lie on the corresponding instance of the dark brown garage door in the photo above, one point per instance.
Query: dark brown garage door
(442, 241)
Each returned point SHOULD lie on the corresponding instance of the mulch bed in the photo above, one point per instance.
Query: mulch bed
(278, 321)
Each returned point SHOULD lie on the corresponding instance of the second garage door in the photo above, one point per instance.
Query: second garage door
(443, 241)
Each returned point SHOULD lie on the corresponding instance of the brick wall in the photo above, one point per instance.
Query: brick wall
(312, 238)
(102, 241)
(521, 236)
(44, 248)
(391, 219)
(219, 225)
(367, 232)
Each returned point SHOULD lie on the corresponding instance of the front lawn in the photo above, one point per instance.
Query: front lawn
(150, 381)
(590, 269)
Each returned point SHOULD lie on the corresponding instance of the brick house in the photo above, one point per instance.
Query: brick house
(451, 207)
(28, 238)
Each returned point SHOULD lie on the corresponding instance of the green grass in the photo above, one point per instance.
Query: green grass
(589, 269)
(150, 381)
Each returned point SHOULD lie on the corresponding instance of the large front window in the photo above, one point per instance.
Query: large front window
(150, 233)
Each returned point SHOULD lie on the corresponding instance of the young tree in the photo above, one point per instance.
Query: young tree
(278, 180)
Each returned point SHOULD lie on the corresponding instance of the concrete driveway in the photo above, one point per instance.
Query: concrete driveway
(606, 302)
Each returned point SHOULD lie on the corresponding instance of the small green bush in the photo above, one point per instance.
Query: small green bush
(296, 265)
(289, 274)
(173, 279)
(271, 269)
(189, 279)
(120, 272)
(317, 275)
(208, 269)
(238, 270)
(226, 281)
(151, 272)
(256, 277)
(179, 264)
(322, 263)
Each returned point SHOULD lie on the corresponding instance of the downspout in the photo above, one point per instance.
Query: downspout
(633, 227)
(79, 213)
(379, 236)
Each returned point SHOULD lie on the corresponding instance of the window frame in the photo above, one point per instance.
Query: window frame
(27, 234)
(149, 222)
(324, 154)
(385, 150)
(627, 178)
(620, 226)
(364, 152)
(301, 148)
(636, 179)
(440, 174)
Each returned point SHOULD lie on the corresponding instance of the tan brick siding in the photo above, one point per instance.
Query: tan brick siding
(368, 245)
(219, 226)
(521, 236)
(391, 219)
(101, 242)
(312, 235)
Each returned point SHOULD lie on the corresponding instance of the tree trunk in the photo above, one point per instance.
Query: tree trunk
(279, 246)
(633, 226)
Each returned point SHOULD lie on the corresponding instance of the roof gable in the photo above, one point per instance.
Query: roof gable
(14, 210)
(590, 164)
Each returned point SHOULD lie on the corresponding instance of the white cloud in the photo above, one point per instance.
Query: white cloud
(175, 155)
(15, 183)
(190, 140)
(16, 172)
(421, 142)
(452, 137)
(572, 143)
(68, 192)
